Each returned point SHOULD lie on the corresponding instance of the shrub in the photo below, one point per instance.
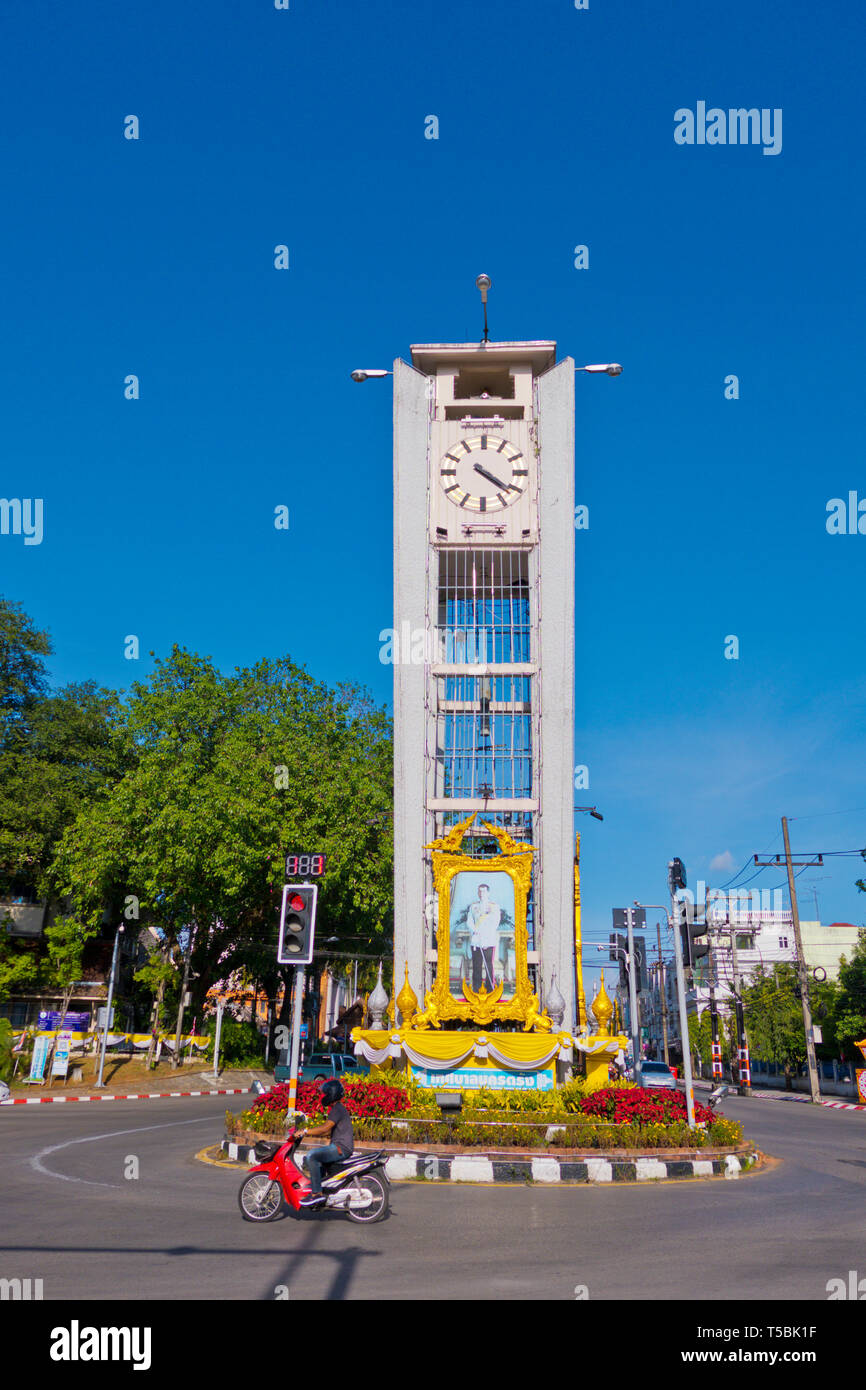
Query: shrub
(512, 1102)
(6, 1059)
(724, 1131)
(241, 1044)
(260, 1121)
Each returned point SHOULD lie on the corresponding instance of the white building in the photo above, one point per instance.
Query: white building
(760, 938)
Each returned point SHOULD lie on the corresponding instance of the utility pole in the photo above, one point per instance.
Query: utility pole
(714, 1017)
(175, 1061)
(744, 1070)
(802, 973)
(108, 1004)
(664, 993)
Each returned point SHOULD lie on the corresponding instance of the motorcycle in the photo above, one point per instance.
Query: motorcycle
(357, 1186)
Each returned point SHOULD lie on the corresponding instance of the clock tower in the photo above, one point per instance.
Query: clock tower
(484, 657)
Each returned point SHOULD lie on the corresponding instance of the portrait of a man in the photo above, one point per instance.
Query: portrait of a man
(482, 932)
(484, 917)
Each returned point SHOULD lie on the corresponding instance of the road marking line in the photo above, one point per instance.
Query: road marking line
(113, 1095)
(36, 1163)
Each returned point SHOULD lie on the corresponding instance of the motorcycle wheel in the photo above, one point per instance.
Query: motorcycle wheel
(377, 1184)
(260, 1198)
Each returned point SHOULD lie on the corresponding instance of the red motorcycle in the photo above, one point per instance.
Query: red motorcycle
(357, 1185)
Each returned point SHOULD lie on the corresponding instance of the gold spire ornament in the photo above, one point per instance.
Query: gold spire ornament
(582, 1021)
(407, 1000)
(602, 1009)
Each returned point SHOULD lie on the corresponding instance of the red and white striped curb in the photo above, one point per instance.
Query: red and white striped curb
(842, 1105)
(111, 1095)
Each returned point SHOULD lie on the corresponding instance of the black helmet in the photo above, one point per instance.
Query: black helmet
(332, 1091)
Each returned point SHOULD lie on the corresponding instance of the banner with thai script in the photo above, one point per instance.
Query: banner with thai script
(474, 1078)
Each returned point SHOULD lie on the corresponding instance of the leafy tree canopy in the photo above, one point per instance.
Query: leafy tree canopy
(850, 1010)
(774, 1013)
(229, 772)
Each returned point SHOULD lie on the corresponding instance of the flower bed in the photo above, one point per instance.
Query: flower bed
(636, 1106)
(360, 1097)
(618, 1117)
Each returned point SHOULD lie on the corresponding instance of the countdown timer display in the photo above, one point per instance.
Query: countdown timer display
(305, 865)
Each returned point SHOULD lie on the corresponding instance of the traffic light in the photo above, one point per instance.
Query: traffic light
(619, 938)
(297, 924)
(676, 874)
(618, 949)
(690, 924)
(639, 958)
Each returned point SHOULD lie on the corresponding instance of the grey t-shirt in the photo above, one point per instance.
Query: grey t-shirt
(341, 1134)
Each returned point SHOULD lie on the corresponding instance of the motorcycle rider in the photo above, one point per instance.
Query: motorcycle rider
(338, 1128)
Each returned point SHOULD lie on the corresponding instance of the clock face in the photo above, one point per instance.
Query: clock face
(484, 474)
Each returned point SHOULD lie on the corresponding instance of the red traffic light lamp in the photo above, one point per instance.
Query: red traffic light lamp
(297, 924)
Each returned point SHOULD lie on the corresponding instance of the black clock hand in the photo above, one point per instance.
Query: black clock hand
(489, 476)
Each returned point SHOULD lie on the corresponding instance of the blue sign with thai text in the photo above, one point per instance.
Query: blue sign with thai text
(474, 1078)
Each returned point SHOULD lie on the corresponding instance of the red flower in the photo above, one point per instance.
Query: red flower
(639, 1106)
(361, 1098)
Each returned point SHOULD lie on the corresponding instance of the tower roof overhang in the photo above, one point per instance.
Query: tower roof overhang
(539, 354)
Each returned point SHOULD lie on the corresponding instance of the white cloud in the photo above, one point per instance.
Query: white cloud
(722, 862)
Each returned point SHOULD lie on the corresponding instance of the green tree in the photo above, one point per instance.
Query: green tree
(701, 1035)
(57, 750)
(228, 774)
(66, 938)
(774, 1015)
(849, 1016)
(23, 680)
(68, 750)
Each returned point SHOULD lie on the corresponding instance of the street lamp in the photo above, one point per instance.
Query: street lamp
(364, 373)
(593, 811)
(610, 368)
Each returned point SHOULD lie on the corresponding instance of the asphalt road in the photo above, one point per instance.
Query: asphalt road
(71, 1218)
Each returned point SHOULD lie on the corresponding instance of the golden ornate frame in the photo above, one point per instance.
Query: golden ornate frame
(484, 1006)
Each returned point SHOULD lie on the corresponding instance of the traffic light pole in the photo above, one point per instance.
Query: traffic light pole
(681, 1000)
(664, 991)
(297, 1006)
(632, 998)
(684, 1023)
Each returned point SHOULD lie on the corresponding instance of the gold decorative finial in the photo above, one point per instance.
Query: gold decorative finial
(407, 1000)
(602, 1009)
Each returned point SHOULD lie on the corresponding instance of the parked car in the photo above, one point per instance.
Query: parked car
(657, 1074)
(323, 1066)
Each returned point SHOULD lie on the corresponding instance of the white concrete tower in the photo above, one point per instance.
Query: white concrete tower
(484, 616)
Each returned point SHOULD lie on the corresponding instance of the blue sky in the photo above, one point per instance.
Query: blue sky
(306, 127)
